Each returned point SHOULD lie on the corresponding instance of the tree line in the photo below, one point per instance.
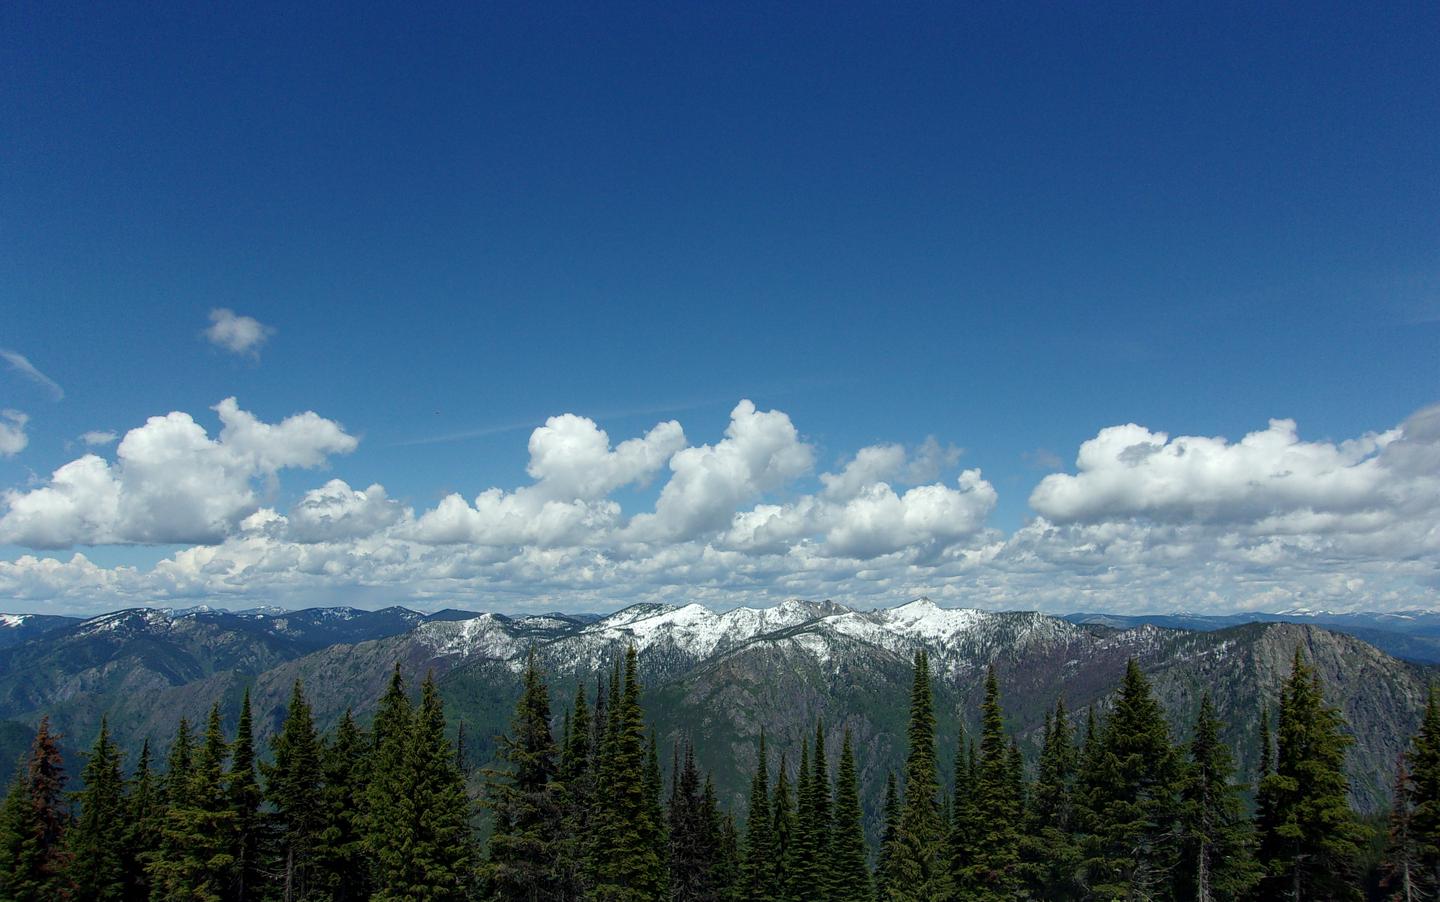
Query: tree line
(1112, 808)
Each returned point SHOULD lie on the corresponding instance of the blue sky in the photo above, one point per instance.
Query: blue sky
(1006, 229)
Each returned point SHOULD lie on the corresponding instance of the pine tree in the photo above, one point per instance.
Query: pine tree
(523, 797)
(196, 860)
(889, 836)
(803, 872)
(847, 875)
(659, 836)
(433, 856)
(782, 810)
(918, 866)
(1315, 839)
(577, 798)
(757, 880)
(33, 821)
(1424, 761)
(96, 867)
(387, 813)
(293, 786)
(965, 824)
(1217, 860)
(1400, 870)
(1048, 847)
(341, 868)
(246, 798)
(994, 869)
(693, 835)
(179, 765)
(1132, 783)
(144, 821)
(627, 862)
(822, 810)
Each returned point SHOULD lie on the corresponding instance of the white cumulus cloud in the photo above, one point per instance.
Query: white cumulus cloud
(235, 333)
(12, 432)
(170, 482)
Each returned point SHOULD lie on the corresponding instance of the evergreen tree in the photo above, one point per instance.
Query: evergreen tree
(196, 858)
(432, 856)
(965, 824)
(822, 810)
(523, 797)
(693, 835)
(577, 799)
(1314, 839)
(96, 868)
(1424, 761)
(33, 821)
(1051, 858)
(144, 821)
(757, 880)
(246, 798)
(802, 874)
(659, 835)
(782, 809)
(293, 786)
(1400, 870)
(918, 867)
(1217, 860)
(994, 871)
(387, 811)
(341, 868)
(725, 865)
(628, 865)
(1132, 783)
(179, 765)
(889, 836)
(847, 875)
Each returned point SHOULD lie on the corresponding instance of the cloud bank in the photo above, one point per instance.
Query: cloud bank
(1145, 521)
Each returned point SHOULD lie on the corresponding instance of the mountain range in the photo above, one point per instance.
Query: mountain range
(717, 677)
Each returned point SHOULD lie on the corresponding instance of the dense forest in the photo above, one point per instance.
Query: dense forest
(1113, 807)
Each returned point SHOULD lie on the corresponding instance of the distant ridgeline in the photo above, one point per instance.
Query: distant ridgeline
(1111, 807)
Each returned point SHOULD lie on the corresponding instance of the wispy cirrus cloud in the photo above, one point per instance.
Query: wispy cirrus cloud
(21, 364)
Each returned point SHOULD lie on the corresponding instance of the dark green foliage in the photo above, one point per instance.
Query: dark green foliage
(918, 866)
(341, 871)
(387, 813)
(576, 788)
(1048, 849)
(293, 787)
(33, 822)
(1312, 839)
(757, 881)
(525, 801)
(694, 835)
(782, 810)
(888, 837)
(847, 876)
(96, 868)
(145, 818)
(993, 871)
(627, 861)
(821, 810)
(1130, 783)
(245, 799)
(1424, 762)
(1401, 875)
(196, 858)
(1217, 857)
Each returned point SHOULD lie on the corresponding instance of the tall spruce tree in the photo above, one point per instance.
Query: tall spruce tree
(246, 797)
(889, 836)
(848, 877)
(1424, 763)
(628, 866)
(196, 859)
(293, 786)
(96, 867)
(918, 864)
(1314, 839)
(341, 867)
(782, 811)
(144, 821)
(757, 881)
(33, 820)
(693, 837)
(1400, 873)
(994, 871)
(523, 797)
(1048, 850)
(803, 872)
(965, 823)
(577, 799)
(1131, 787)
(387, 808)
(1217, 860)
(822, 810)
